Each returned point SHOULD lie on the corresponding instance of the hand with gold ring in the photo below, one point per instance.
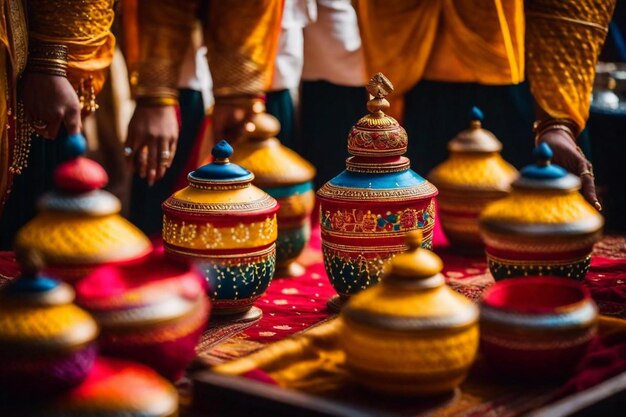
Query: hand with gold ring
(154, 128)
(50, 101)
(568, 155)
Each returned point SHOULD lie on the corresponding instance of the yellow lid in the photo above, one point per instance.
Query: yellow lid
(415, 264)
(273, 164)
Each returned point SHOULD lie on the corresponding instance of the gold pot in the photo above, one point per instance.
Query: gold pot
(473, 176)
(411, 334)
(287, 177)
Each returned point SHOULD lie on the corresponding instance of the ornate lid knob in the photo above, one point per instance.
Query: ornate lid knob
(377, 134)
(220, 172)
(262, 125)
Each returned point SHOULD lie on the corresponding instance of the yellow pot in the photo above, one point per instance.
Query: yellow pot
(287, 177)
(411, 334)
(545, 227)
(473, 176)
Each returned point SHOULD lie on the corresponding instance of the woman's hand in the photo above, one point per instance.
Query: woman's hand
(151, 142)
(570, 157)
(50, 100)
(229, 121)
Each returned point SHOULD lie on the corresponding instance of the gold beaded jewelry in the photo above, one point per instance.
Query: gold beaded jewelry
(543, 126)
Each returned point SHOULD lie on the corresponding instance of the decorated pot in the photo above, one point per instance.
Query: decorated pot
(227, 226)
(78, 226)
(152, 312)
(544, 227)
(411, 334)
(536, 327)
(46, 342)
(114, 388)
(367, 210)
(287, 177)
(473, 176)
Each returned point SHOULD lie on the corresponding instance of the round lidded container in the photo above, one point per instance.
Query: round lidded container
(544, 227)
(78, 227)
(473, 176)
(46, 342)
(152, 312)
(228, 227)
(366, 211)
(287, 177)
(411, 334)
(536, 327)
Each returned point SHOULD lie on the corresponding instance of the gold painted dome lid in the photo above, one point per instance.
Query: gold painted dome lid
(475, 163)
(78, 222)
(37, 314)
(412, 296)
(273, 164)
(475, 138)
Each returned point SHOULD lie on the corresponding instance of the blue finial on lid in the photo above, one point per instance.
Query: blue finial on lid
(76, 145)
(221, 169)
(543, 169)
(222, 150)
(476, 114)
(31, 281)
(543, 152)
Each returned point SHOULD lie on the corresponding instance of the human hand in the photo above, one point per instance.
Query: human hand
(229, 120)
(570, 157)
(152, 139)
(50, 100)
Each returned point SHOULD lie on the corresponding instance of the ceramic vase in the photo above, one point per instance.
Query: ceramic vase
(78, 227)
(411, 334)
(537, 327)
(366, 211)
(544, 227)
(152, 312)
(228, 227)
(287, 177)
(473, 176)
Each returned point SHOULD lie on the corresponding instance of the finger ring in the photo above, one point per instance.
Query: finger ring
(39, 124)
(128, 151)
(165, 154)
(587, 172)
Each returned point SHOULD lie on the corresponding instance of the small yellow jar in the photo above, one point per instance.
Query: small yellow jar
(473, 176)
(287, 177)
(412, 334)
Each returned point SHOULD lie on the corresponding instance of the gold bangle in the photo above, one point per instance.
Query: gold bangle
(47, 51)
(565, 125)
(157, 101)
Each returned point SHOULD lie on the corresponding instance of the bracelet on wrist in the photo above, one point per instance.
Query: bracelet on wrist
(540, 127)
(156, 101)
(246, 100)
(48, 59)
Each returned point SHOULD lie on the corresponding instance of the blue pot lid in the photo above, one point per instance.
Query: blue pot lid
(545, 175)
(221, 170)
(34, 287)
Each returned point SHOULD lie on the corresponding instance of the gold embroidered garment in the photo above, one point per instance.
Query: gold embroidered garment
(495, 42)
(241, 37)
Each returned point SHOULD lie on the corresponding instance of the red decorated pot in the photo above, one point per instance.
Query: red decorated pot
(536, 327)
(368, 209)
(152, 312)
